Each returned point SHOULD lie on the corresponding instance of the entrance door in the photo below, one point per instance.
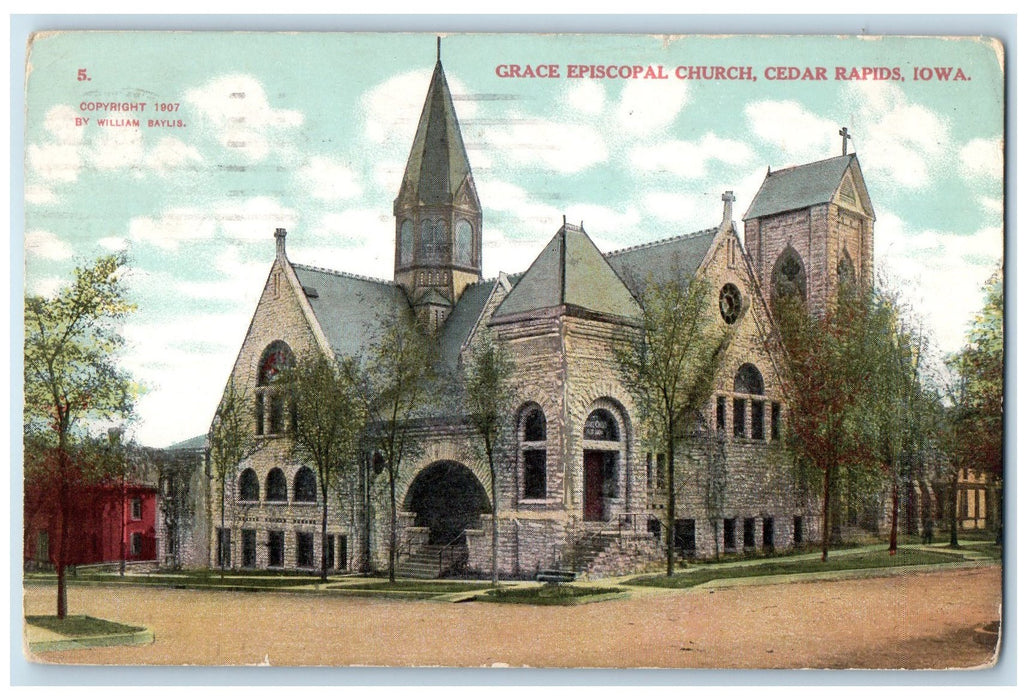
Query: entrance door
(593, 485)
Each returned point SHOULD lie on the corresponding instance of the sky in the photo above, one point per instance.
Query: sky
(311, 131)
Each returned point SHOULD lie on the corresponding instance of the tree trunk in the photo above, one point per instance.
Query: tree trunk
(893, 540)
(670, 500)
(495, 523)
(220, 549)
(825, 535)
(392, 526)
(324, 530)
(953, 507)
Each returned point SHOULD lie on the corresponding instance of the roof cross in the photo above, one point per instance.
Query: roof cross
(846, 137)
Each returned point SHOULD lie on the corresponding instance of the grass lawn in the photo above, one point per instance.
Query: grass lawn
(191, 579)
(836, 562)
(548, 595)
(419, 585)
(80, 625)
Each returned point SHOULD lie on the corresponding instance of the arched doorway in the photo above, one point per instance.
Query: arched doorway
(602, 466)
(447, 499)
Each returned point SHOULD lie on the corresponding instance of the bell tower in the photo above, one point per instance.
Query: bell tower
(810, 229)
(438, 215)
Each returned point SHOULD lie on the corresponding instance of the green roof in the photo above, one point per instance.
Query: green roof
(194, 443)
(570, 271)
(677, 257)
(350, 308)
(437, 164)
(461, 321)
(799, 187)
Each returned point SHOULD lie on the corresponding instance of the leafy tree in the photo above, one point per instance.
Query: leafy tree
(897, 406)
(489, 395)
(329, 425)
(973, 435)
(230, 440)
(831, 361)
(668, 367)
(393, 380)
(72, 383)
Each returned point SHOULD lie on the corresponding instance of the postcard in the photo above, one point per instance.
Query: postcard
(515, 350)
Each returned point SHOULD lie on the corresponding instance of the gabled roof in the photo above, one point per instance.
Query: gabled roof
(799, 187)
(670, 258)
(462, 320)
(349, 307)
(437, 165)
(570, 272)
(197, 442)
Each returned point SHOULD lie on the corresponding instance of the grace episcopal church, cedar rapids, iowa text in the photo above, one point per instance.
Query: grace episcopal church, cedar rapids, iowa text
(577, 486)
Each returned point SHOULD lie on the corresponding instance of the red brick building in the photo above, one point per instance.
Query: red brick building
(103, 518)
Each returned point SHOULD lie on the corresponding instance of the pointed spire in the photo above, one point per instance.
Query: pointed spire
(438, 49)
(438, 164)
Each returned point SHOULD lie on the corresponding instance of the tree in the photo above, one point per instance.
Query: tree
(897, 407)
(393, 380)
(973, 435)
(668, 367)
(329, 425)
(831, 360)
(72, 384)
(489, 396)
(230, 440)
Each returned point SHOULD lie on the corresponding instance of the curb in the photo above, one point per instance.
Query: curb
(144, 636)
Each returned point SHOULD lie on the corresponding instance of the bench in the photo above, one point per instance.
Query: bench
(555, 576)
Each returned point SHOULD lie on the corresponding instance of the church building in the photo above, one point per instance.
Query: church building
(578, 486)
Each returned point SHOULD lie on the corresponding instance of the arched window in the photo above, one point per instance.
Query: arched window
(406, 242)
(433, 240)
(789, 275)
(277, 357)
(749, 381)
(249, 486)
(276, 488)
(463, 242)
(601, 425)
(533, 451)
(270, 411)
(846, 270)
(304, 486)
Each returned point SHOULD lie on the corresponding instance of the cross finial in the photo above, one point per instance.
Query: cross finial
(438, 49)
(728, 198)
(846, 136)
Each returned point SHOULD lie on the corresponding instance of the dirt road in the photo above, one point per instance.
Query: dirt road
(922, 620)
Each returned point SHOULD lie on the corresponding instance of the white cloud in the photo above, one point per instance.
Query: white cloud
(173, 227)
(392, 108)
(254, 219)
(587, 97)
(799, 134)
(44, 286)
(941, 273)
(46, 245)
(650, 105)
(171, 154)
(237, 108)
(992, 204)
(905, 141)
(113, 243)
(689, 159)
(39, 194)
(328, 179)
(530, 214)
(982, 158)
(58, 159)
(561, 146)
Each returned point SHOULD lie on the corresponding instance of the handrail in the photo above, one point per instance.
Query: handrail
(448, 548)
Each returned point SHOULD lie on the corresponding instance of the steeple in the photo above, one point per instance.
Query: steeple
(438, 215)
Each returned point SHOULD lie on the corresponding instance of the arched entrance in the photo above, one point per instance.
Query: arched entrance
(602, 465)
(447, 499)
